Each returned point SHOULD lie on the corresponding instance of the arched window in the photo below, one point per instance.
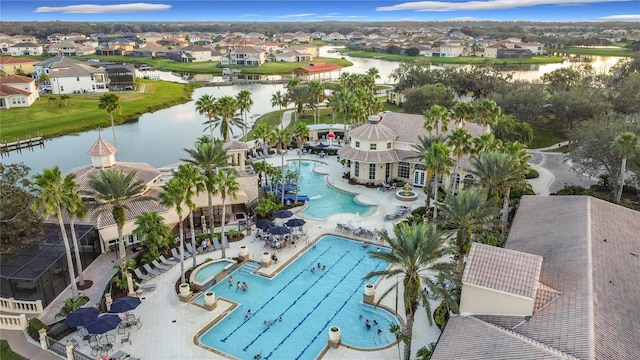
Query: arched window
(468, 180)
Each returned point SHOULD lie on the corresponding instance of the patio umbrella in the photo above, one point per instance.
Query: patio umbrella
(264, 224)
(279, 230)
(81, 316)
(103, 323)
(125, 304)
(282, 214)
(295, 222)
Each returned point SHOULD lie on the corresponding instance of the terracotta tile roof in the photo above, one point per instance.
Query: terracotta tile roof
(316, 68)
(101, 147)
(235, 145)
(373, 156)
(144, 172)
(466, 337)
(15, 60)
(16, 79)
(503, 270)
(6, 90)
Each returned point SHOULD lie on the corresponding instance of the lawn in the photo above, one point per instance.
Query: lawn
(546, 137)
(54, 118)
(453, 60)
(6, 353)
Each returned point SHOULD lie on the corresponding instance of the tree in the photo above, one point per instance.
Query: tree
(437, 162)
(113, 191)
(153, 233)
(317, 93)
(625, 96)
(416, 251)
(208, 157)
(244, 105)
(190, 177)
(412, 74)
(52, 193)
(466, 213)
(577, 104)
(65, 99)
(279, 99)
(225, 183)
(110, 103)
(486, 112)
(280, 137)
(174, 195)
(76, 209)
(413, 51)
(206, 105)
(627, 146)
(300, 133)
(461, 111)
(508, 129)
(460, 141)
(301, 96)
(227, 108)
(421, 99)
(19, 222)
(526, 102)
(436, 118)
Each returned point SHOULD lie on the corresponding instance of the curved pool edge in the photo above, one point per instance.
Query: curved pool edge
(209, 282)
(219, 317)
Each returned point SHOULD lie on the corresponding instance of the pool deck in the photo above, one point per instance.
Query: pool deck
(170, 326)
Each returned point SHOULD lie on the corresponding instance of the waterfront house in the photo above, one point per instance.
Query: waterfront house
(17, 91)
(69, 76)
(245, 56)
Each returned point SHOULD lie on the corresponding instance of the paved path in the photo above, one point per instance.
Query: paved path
(20, 345)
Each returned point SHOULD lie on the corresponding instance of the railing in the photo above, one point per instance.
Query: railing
(82, 356)
(13, 322)
(21, 306)
(57, 347)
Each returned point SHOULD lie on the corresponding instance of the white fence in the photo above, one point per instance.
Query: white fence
(13, 322)
(12, 305)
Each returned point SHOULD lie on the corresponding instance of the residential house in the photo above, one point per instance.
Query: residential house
(124, 45)
(5, 44)
(9, 65)
(383, 150)
(302, 37)
(318, 35)
(512, 50)
(24, 39)
(255, 35)
(121, 77)
(17, 91)
(245, 56)
(25, 49)
(151, 49)
(69, 76)
(152, 37)
(355, 35)
(451, 50)
(335, 36)
(293, 56)
(56, 38)
(64, 47)
(194, 53)
(565, 286)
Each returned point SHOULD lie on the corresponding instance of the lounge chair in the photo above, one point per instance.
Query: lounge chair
(146, 287)
(225, 242)
(168, 262)
(176, 255)
(216, 244)
(191, 250)
(159, 266)
(141, 276)
(151, 271)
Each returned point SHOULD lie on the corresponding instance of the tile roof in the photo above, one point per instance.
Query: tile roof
(503, 270)
(235, 145)
(410, 126)
(15, 60)
(145, 172)
(101, 148)
(16, 79)
(57, 62)
(77, 70)
(373, 156)
(373, 132)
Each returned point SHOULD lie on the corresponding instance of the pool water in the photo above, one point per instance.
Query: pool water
(308, 302)
(324, 200)
(210, 270)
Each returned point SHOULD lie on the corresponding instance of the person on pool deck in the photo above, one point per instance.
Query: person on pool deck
(274, 257)
(247, 314)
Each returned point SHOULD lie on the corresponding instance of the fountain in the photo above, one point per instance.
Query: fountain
(406, 193)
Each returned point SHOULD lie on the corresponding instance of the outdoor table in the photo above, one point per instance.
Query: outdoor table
(107, 339)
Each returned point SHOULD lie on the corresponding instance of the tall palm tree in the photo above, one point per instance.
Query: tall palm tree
(208, 157)
(317, 94)
(110, 103)
(374, 73)
(76, 209)
(190, 177)
(280, 137)
(225, 183)
(437, 162)
(300, 96)
(52, 192)
(460, 141)
(626, 145)
(466, 213)
(174, 194)
(486, 112)
(460, 111)
(300, 133)
(279, 99)
(112, 191)
(417, 252)
(206, 105)
(227, 109)
(244, 105)
(498, 172)
(485, 142)
(436, 118)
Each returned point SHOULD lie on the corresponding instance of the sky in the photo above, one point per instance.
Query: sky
(319, 10)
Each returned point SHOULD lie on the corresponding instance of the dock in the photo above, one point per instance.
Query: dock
(21, 144)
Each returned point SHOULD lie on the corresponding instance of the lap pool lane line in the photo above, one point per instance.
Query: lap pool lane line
(314, 308)
(271, 299)
(296, 301)
(334, 315)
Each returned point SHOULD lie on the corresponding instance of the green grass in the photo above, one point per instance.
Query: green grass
(546, 137)
(51, 118)
(7, 354)
(453, 60)
(599, 52)
(211, 67)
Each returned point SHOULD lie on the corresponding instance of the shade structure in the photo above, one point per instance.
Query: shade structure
(125, 304)
(81, 316)
(264, 224)
(279, 230)
(331, 136)
(282, 214)
(295, 222)
(103, 323)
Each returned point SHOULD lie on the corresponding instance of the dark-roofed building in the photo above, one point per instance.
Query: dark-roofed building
(383, 150)
(69, 76)
(586, 297)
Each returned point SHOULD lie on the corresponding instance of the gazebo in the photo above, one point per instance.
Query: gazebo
(317, 71)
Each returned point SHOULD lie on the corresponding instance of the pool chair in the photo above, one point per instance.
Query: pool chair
(225, 242)
(141, 276)
(159, 266)
(216, 244)
(146, 287)
(176, 255)
(151, 271)
(191, 250)
(168, 262)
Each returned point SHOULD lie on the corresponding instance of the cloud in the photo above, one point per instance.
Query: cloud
(295, 16)
(463, 18)
(635, 17)
(103, 9)
(482, 4)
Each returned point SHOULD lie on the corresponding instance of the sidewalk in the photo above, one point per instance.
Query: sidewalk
(20, 345)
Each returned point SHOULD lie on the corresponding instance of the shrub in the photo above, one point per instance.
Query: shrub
(532, 174)
(71, 305)
(34, 326)
(573, 190)
(441, 315)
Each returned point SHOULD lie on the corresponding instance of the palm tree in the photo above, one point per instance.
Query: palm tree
(76, 209)
(244, 104)
(374, 73)
(225, 183)
(190, 177)
(461, 111)
(300, 96)
(65, 98)
(153, 233)
(486, 112)
(437, 162)
(485, 142)
(317, 93)
(227, 108)
(174, 194)
(280, 138)
(436, 118)
(112, 191)
(300, 133)
(206, 105)
(498, 172)
(279, 99)
(208, 157)
(52, 192)
(466, 213)
(417, 251)
(110, 103)
(626, 145)
(460, 141)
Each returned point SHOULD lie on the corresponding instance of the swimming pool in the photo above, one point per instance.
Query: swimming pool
(308, 302)
(324, 200)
